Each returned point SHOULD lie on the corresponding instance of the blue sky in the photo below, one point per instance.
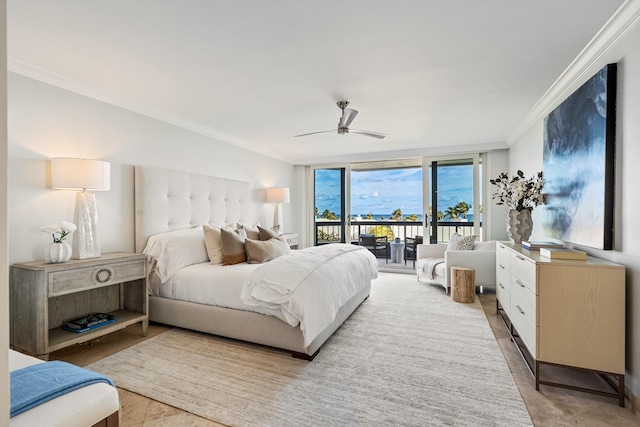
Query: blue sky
(381, 192)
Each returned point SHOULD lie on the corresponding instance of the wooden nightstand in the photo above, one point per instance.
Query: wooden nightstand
(292, 240)
(43, 297)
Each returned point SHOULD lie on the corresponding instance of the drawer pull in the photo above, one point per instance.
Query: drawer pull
(519, 309)
(103, 275)
(500, 284)
(501, 266)
(519, 283)
(520, 258)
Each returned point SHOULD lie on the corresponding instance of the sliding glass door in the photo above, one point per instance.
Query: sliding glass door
(454, 197)
(425, 199)
(330, 205)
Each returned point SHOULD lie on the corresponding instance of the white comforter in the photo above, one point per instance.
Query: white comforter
(308, 287)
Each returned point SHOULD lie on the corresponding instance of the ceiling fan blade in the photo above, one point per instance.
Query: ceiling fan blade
(313, 133)
(368, 133)
(347, 117)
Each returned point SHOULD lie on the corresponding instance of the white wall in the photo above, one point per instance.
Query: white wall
(526, 154)
(4, 275)
(493, 216)
(46, 122)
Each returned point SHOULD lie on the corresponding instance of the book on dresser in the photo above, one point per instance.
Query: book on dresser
(537, 245)
(563, 253)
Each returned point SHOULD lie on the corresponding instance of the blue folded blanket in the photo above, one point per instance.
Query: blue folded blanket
(39, 383)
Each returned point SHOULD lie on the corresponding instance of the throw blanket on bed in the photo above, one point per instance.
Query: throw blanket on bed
(39, 383)
(308, 287)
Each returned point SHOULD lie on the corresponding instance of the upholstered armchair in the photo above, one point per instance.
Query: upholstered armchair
(435, 261)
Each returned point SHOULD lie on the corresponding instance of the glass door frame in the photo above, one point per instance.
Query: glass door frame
(345, 220)
(428, 195)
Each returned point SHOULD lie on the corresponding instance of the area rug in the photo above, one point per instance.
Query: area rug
(409, 356)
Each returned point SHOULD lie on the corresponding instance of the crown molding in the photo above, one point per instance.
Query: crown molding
(623, 21)
(27, 69)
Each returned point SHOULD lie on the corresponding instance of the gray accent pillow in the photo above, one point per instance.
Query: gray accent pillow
(251, 230)
(233, 245)
(259, 251)
(460, 243)
(268, 233)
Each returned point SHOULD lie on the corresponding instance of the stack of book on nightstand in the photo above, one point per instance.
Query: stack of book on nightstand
(87, 323)
(563, 253)
(536, 246)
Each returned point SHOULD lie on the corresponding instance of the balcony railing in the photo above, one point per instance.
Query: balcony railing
(328, 231)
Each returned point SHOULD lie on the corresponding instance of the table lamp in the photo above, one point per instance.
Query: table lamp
(278, 195)
(83, 174)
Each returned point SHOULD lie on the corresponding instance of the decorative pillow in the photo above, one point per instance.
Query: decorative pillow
(213, 243)
(459, 243)
(174, 250)
(251, 230)
(233, 245)
(262, 251)
(268, 233)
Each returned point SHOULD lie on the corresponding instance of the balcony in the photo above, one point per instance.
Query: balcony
(330, 231)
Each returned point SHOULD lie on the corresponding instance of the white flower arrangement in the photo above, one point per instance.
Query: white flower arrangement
(63, 229)
(519, 193)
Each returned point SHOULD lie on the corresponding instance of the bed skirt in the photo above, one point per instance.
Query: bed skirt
(246, 325)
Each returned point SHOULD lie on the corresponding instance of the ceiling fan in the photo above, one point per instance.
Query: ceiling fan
(347, 117)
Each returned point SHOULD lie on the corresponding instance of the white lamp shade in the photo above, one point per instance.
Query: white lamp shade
(278, 195)
(81, 174)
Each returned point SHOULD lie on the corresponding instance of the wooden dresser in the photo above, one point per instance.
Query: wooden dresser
(564, 312)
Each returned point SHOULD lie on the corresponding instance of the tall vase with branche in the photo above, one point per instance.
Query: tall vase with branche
(521, 195)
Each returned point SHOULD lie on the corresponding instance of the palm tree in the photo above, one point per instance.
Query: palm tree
(440, 215)
(462, 208)
(368, 216)
(396, 215)
(451, 212)
(412, 217)
(329, 215)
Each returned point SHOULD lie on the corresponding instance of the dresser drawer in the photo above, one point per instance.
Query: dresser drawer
(502, 274)
(292, 239)
(525, 270)
(526, 329)
(77, 279)
(524, 298)
(503, 256)
(504, 296)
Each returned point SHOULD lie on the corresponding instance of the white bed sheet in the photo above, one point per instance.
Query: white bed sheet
(308, 287)
(211, 284)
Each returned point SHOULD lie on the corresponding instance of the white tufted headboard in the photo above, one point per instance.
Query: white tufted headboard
(167, 200)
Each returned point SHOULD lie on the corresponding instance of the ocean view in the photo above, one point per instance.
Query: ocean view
(385, 191)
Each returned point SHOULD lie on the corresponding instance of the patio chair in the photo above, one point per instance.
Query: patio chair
(410, 249)
(375, 244)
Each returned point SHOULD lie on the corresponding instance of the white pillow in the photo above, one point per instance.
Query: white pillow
(174, 250)
(213, 243)
(459, 243)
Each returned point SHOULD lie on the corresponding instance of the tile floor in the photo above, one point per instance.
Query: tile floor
(550, 406)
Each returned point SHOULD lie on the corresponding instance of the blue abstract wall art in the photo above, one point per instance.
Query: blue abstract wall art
(579, 163)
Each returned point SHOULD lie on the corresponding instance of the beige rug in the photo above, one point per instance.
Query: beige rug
(409, 356)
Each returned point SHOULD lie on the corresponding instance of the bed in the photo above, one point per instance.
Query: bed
(171, 209)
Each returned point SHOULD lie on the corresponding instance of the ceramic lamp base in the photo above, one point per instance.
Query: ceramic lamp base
(86, 242)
